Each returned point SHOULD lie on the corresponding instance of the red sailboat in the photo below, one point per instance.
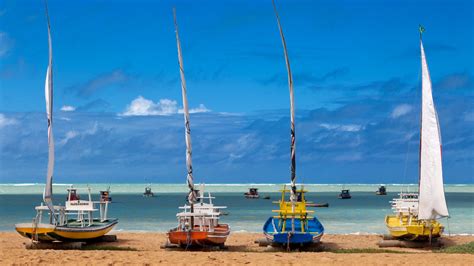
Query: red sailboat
(198, 223)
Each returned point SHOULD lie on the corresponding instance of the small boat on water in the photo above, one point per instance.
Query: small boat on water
(252, 194)
(74, 221)
(148, 192)
(415, 214)
(292, 226)
(381, 191)
(199, 222)
(345, 194)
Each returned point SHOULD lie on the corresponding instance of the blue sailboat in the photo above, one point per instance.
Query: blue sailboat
(293, 225)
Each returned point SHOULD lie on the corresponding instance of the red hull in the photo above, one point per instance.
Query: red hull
(197, 237)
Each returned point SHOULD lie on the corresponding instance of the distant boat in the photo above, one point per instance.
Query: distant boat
(105, 195)
(73, 221)
(198, 223)
(416, 214)
(292, 226)
(252, 194)
(345, 194)
(148, 192)
(381, 191)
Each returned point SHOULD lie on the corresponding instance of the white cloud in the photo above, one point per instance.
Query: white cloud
(144, 107)
(401, 110)
(68, 108)
(6, 43)
(69, 135)
(345, 128)
(92, 130)
(200, 109)
(5, 121)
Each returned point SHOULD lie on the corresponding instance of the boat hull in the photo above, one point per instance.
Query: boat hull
(309, 234)
(198, 237)
(402, 228)
(67, 233)
(249, 196)
(38, 232)
(75, 233)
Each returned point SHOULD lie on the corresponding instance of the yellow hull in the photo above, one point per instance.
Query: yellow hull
(62, 234)
(48, 232)
(403, 228)
(39, 232)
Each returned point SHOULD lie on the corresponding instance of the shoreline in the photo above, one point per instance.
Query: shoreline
(113, 232)
(144, 248)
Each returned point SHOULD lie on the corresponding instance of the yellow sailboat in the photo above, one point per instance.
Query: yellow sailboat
(74, 220)
(416, 214)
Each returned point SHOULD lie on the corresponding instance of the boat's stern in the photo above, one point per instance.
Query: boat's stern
(36, 231)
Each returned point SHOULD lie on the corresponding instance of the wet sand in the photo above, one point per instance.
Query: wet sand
(241, 249)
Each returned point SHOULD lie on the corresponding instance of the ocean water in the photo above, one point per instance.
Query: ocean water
(362, 214)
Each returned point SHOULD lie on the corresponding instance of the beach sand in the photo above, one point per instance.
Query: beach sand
(241, 250)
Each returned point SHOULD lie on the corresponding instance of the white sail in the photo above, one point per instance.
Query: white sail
(189, 163)
(292, 110)
(432, 203)
(48, 92)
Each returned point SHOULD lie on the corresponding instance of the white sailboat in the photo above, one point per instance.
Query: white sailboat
(416, 214)
(198, 223)
(73, 221)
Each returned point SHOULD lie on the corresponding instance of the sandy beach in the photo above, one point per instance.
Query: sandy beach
(241, 250)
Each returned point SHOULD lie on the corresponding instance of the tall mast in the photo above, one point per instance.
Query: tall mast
(48, 91)
(292, 110)
(421, 29)
(189, 166)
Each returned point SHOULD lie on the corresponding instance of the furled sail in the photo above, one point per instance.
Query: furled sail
(432, 203)
(48, 92)
(189, 165)
(292, 110)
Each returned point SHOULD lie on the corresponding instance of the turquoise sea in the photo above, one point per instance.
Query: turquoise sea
(363, 214)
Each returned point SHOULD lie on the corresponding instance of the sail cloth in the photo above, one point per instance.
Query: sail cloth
(432, 203)
(48, 92)
(189, 164)
(292, 110)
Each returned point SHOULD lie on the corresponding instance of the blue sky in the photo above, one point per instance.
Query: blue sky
(117, 94)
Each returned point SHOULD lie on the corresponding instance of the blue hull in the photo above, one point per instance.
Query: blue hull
(313, 231)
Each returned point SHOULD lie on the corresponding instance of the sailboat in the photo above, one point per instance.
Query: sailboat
(416, 214)
(74, 220)
(293, 225)
(198, 223)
